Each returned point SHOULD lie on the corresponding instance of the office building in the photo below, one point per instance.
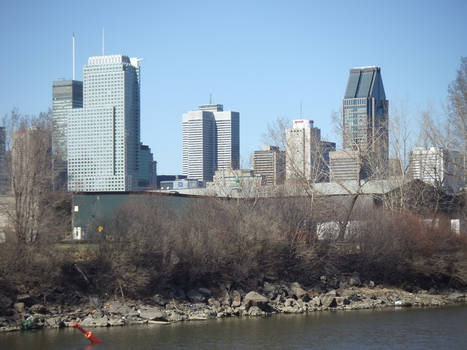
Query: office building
(438, 166)
(147, 178)
(66, 95)
(346, 165)
(365, 118)
(211, 141)
(103, 136)
(269, 162)
(306, 153)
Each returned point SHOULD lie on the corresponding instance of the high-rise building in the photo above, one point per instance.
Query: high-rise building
(365, 117)
(211, 141)
(269, 162)
(438, 167)
(104, 135)
(147, 168)
(345, 165)
(66, 95)
(306, 154)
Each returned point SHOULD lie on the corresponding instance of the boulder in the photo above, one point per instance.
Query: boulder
(269, 287)
(236, 298)
(38, 309)
(254, 298)
(26, 299)
(205, 292)
(153, 314)
(355, 280)
(19, 307)
(297, 290)
(195, 297)
(329, 299)
(256, 311)
(160, 300)
(95, 322)
(225, 299)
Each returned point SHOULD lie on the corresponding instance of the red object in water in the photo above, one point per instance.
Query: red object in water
(92, 338)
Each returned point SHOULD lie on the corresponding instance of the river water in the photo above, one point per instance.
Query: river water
(437, 328)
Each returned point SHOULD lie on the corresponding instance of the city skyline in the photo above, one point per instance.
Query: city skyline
(264, 70)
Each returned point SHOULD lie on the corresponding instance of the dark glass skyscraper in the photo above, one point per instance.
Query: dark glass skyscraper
(67, 95)
(365, 117)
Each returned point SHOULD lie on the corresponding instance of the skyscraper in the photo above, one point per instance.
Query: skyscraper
(104, 135)
(365, 117)
(211, 141)
(306, 153)
(67, 95)
(269, 162)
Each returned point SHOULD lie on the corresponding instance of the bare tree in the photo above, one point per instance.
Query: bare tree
(29, 162)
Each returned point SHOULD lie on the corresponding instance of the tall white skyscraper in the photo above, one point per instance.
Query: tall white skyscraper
(306, 155)
(211, 141)
(104, 135)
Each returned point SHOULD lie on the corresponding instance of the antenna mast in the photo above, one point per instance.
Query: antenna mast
(103, 41)
(210, 99)
(301, 109)
(74, 56)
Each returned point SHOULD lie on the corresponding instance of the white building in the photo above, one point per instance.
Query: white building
(438, 166)
(104, 135)
(306, 154)
(211, 141)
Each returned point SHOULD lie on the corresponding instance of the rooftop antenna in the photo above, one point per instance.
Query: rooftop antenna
(301, 117)
(210, 99)
(74, 56)
(103, 41)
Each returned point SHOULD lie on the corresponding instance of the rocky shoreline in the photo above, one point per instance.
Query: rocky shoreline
(203, 304)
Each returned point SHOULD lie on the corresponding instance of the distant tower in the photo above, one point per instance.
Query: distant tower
(365, 118)
(67, 95)
(211, 141)
(104, 135)
(306, 154)
(269, 162)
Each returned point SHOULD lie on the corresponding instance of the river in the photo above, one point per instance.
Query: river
(434, 328)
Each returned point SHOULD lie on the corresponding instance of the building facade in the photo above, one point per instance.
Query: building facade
(306, 153)
(365, 117)
(211, 141)
(438, 166)
(345, 165)
(66, 95)
(147, 178)
(103, 136)
(269, 162)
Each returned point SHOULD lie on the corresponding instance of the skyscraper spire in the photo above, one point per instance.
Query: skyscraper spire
(74, 56)
(103, 41)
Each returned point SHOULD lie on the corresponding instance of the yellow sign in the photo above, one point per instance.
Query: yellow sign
(99, 228)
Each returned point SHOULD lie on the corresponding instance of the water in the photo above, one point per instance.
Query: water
(439, 328)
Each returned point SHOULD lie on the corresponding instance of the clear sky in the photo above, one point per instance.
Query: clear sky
(260, 58)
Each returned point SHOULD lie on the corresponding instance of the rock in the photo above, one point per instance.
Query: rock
(54, 322)
(328, 300)
(116, 321)
(159, 299)
(38, 309)
(214, 303)
(355, 280)
(225, 299)
(205, 292)
(297, 290)
(256, 311)
(174, 316)
(95, 322)
(19, 307)
(254, 298)
(269, 287)
(371, 284)
(195, 297)
(153, 314)
(457, 297)
(236, 298)
(26, 299)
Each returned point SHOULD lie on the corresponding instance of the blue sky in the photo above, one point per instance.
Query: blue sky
(260, 58)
